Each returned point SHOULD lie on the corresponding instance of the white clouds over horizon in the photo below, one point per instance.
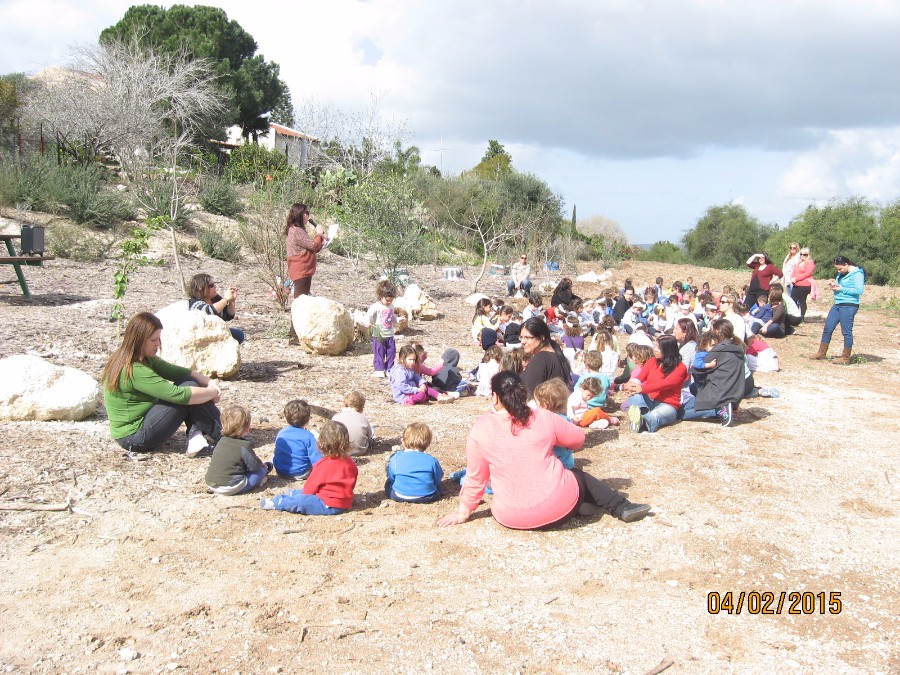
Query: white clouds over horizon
(647, 112)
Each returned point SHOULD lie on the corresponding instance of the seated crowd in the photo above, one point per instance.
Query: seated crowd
(666, 353)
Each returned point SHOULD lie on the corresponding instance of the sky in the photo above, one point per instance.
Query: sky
(644, 111)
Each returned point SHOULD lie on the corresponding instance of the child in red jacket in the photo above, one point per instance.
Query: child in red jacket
(329, 489)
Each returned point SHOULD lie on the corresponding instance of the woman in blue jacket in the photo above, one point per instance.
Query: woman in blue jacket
(848, 288)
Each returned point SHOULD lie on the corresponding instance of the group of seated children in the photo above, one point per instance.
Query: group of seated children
(323, 460)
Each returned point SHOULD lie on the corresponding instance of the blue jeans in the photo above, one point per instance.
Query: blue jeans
(658, 414)
(427, 499)
(311, 505)
(525, 286)
(690, 413)
(162, 421)
(844, 315)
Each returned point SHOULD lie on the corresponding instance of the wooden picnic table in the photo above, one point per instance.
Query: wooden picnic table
(17, 261)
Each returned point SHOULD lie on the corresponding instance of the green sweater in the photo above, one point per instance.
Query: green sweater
(151, 382)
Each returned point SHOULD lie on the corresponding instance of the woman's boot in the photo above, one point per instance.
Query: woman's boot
(819, 355)
(844, 358)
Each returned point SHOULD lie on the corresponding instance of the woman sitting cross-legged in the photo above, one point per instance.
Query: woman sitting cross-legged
(655, 395)
(147, 398)
(512, 447)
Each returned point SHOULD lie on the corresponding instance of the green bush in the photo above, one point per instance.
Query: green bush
(77, 243)
(218, 246)
(83, 193)
(156, 198)
(29, 184)
(219, 196)
(251, 163)
(664, 252)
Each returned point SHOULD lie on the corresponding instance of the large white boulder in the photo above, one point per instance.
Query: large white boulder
(34, 389)
(198, 341)
(417, 303)
(323, 326)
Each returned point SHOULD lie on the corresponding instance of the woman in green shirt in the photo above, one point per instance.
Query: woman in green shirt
(147, 398)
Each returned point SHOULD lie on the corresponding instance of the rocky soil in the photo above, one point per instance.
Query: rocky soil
(147, 572)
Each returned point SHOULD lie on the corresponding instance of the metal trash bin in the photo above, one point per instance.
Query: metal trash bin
(33, 240)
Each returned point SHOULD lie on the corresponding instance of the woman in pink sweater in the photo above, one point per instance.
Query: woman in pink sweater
(512, 447)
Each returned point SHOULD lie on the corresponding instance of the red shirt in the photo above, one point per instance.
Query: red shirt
(332, 480)
(662, 388)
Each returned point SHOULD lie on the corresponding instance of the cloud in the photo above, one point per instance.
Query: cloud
(855, 162)
(639, 79)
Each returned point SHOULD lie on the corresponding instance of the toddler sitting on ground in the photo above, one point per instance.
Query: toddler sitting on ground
(413, 475)
(235, 468)
(329, 489)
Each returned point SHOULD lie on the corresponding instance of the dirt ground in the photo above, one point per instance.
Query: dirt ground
(149, 573)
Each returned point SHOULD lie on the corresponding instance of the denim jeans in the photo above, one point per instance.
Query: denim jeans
(844, 315)
(237, 334)
(525, 285)
(163, 419)
(658, 414)
(690, 413)
(427, 499)
(311, 505)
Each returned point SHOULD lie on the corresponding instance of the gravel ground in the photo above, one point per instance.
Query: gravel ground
(148, 572)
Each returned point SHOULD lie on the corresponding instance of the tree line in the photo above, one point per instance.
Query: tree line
(726, 235)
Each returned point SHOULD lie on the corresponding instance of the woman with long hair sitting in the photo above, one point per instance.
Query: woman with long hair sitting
(147, 398)
(512, 447)
(655, 395)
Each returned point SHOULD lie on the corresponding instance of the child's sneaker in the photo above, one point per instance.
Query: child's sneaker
(445, 398)
(769, 392)
(267, 503)
(635, 418)
(378, 373)
(599, 424)
(725, 414)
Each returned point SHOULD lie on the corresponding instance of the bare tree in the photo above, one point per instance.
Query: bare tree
(357, 140)
(124, 100)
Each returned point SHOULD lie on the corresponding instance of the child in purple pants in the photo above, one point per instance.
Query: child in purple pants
(407, 386)
(383, 321)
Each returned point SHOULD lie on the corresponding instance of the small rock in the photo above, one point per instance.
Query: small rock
(672, 582)
(343, 600)
(155, 560)
(778, 575)
(127, 654)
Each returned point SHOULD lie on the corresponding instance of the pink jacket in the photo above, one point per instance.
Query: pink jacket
(803, 272)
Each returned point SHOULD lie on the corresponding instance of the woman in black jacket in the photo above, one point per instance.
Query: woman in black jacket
(724, 384)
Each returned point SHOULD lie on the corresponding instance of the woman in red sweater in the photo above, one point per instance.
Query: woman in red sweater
(512, 447)
(763, 272)
(655, 396)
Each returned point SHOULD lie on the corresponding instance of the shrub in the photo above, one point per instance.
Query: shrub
(156, 197)
(29, 184)
(219, 196)
(218, 246)
(251, 162)
(77, 243)
(82, 192)
(664, 252)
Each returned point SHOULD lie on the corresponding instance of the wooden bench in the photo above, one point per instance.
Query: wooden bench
(17, 261)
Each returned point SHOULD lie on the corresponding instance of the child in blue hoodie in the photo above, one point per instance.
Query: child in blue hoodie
(296, 450)
(761, 312)
(412, 474)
